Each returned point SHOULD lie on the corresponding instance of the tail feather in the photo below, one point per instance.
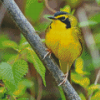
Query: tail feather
(65, 67)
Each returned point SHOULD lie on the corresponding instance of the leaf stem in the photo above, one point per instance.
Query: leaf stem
(47, 5)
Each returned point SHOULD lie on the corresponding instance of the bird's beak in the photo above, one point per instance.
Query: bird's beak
(52, 17)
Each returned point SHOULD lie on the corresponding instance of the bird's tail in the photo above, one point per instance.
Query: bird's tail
(65, 67)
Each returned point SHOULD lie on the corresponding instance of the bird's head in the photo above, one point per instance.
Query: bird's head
(65, 18)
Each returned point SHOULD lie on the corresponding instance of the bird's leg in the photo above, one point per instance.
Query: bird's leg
(65, 76)
(65, 79)
(48, 53)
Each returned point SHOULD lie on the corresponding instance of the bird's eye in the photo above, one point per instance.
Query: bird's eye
(62, 18)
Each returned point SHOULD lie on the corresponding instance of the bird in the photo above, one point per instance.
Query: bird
(63, 38)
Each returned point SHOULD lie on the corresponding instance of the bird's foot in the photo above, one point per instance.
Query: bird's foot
(48, 53)
(65, 79)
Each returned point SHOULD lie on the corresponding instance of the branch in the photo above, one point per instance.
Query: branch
(35, 42)
(47, 5)
(2, 13)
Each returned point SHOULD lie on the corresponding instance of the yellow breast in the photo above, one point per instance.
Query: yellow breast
(63, 42)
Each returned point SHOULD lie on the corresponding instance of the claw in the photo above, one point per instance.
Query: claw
(48, 53)
(64, 80)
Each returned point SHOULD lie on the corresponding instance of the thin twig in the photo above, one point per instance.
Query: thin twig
(97, 78)
(47, 5)
(35, 42)
(96, 81)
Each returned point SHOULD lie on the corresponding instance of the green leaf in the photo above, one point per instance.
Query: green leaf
(79, 66)
(33, 58)
(88, 64)
(62, 93)
(2, 38)
(3, 93)
(82, 81)
(66, 8)
(95, 18)
(22, 86)
(11, 75)
(19, 68)
(96, 96)
(7, 76)
(5, 54)
(73, 11)
(0, 77)
(33, 9)
(97, 37)
(23, 43)
(13, 58)
(98, 1)
(87, 23)
(22, 39)
(93, 87)
(6, 43)
(82, 96)
(96, 63)
(9, 44)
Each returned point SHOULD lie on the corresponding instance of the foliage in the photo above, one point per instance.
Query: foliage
(13, 69)
(14, 58)
(98, 1)
(73, 3)
(32, 6)
(32, 57)
(62, 94)
(85, 65)
(67, 9)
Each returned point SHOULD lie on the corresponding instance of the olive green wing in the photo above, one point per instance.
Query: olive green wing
(48, 28)
(77, 31)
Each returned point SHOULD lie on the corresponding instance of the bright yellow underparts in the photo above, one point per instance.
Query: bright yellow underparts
(64, 43)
